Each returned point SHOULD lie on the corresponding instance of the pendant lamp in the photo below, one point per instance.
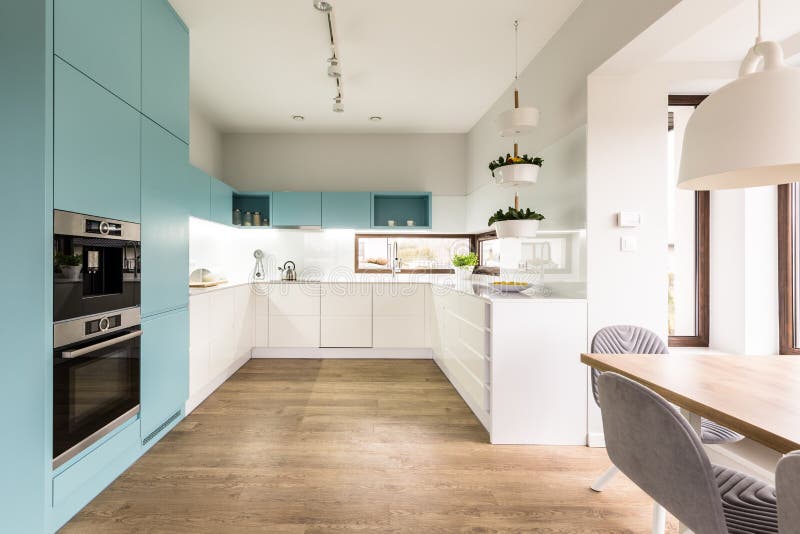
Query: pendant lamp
(746, 134)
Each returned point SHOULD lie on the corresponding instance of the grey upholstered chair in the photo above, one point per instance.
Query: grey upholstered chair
(626, 339)
(654, 445)
(787, 483)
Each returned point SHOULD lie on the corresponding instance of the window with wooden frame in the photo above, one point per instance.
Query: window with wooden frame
(688, 240)
(416, 253)
(789, 268)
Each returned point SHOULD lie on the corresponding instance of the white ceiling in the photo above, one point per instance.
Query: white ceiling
(732, 34)
(423, 65)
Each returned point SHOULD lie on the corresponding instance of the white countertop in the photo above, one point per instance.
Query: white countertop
(556, 291)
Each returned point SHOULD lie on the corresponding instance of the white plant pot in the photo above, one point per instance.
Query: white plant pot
(464, 273)
(523, 228)
(71, 272)
(516, 174)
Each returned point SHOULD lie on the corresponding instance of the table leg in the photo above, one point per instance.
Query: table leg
(694, 421)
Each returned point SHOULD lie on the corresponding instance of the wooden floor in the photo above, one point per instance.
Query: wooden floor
(355, 445)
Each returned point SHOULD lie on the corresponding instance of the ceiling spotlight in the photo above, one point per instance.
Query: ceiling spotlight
(338, 106)
(376, 118)
(334, 70)
(322, 5)
(298, 118)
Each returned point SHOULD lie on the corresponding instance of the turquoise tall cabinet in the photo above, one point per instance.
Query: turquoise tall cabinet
(26, 214)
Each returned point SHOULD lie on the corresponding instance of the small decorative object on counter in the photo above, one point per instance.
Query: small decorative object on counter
(464, 264)
(248, 219)
(257, 218)
(237, 217)
(266, 222)
(390, 222)
(410, 222)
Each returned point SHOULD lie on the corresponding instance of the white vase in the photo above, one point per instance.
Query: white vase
(465, 272)
(521, 228)
(516, 174)
(71, 272)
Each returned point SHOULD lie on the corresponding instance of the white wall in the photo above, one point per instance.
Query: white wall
(205, 144)
(346, 162)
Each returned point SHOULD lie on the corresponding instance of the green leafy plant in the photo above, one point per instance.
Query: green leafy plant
(515, 215)
(465, 260)
(68, 260)
(513, 160)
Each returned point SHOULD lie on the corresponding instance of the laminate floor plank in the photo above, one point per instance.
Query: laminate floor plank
(314, 446)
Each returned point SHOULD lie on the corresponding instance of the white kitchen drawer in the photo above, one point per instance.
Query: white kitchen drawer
(346, 300)
(262, 305)
(398, 299)
(474, 362)
(398, 332)
(294, 299)
(473, 310)
(468, 386)
(477, 339)
(262, 331)
(346, 331)
(199, 369)
(294, 331)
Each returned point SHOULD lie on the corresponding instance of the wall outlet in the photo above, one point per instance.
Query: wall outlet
(628, 244)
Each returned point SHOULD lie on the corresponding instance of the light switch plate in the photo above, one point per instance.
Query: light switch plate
(629, 219)
(628, 244)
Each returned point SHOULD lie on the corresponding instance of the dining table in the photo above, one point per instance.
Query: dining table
(756, 396)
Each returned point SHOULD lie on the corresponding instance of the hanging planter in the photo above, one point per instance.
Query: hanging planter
(516, 222)
(514, 170)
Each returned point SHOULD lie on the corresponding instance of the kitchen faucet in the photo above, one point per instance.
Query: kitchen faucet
(394, 261)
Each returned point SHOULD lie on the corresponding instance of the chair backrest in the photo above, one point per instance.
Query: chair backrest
(624, 339)
(787, 487)
(649, 441)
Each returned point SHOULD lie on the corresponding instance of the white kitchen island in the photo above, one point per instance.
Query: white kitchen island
(511, 357)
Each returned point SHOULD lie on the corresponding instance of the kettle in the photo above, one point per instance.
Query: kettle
(288, 271)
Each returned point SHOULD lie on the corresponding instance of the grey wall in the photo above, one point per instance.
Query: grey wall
(346, 162)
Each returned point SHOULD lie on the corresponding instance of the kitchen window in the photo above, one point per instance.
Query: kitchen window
(429, 253)
(789, 268)
(688, 240)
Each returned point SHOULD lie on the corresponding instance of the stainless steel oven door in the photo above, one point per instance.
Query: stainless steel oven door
(95, 382)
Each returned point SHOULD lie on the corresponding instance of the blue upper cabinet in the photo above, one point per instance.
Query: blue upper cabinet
(221, 202)
(290, 209)
(198, 193)
(102, 39)
(164, 369)
(165, 67)
(165, 221)
(405, 210)
(345, 210)
(96, 148)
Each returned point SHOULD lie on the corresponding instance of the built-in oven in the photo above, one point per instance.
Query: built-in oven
(95, 379)
(97, 264)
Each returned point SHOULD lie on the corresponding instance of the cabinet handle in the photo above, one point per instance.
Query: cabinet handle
(69, 354)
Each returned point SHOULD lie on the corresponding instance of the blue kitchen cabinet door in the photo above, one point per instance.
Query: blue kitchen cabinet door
(345, 210)
(102, 39)
(164, 368)
(198, 193)
(95, 148)
(221, 202)
(296, 209)
(165, 67)
(165, 221)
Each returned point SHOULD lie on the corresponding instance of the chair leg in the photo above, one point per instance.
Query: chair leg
(605, 478)
(659, 519)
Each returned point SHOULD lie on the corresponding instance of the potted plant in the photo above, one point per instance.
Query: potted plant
(515, 222)
(464, 264)
(511, 170)
(70, 265)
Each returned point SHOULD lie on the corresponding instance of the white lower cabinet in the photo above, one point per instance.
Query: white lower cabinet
(399, 315)
(294, 315)
(221, 332)
(346, 316)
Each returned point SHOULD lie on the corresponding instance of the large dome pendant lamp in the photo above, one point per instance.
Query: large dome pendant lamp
(746, 134)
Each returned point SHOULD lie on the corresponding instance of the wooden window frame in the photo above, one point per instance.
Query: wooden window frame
(787, 290)
(702, 273)
(472, 245)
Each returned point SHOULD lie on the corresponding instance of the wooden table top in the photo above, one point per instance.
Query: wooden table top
(757, 396)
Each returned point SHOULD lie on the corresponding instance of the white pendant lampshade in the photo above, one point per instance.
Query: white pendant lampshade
(517, 121)
(747, 133)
